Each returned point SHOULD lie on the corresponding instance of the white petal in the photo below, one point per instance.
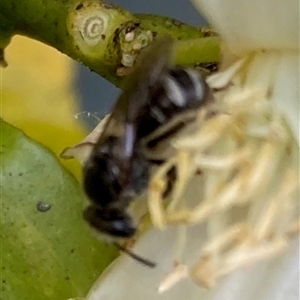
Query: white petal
(275, 73)
(247, 25)
(278, 74)
(286, 91)
(126, 279)
(129, 280)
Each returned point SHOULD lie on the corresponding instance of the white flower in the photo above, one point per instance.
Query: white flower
(238, 221)
(267, 32)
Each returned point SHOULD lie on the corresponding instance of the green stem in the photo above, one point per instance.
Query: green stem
(101, 36)
(189, 51)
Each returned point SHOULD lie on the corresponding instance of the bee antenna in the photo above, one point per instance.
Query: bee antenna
(136, 257)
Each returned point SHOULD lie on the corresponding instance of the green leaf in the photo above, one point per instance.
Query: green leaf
(50, 254)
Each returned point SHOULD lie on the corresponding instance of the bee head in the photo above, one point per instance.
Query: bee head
(113, 222)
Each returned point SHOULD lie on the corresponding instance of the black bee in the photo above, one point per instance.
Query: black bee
(159, 99)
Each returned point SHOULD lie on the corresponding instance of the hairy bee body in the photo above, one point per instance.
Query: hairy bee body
(158, 101)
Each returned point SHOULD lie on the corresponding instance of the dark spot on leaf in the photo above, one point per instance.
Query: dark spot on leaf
(20, 174)
(42, 206)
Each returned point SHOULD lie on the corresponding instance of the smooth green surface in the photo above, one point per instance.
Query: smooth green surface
(44, 255)
(188, 52)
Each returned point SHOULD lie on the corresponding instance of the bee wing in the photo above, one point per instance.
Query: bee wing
(130, 106)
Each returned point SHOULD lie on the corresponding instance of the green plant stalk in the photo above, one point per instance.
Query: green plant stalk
(188, 51)
(94, 33)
